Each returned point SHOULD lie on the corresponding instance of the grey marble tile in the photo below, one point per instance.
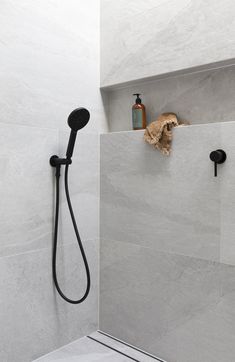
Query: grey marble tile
(84, 187)
(26, 188)
(176, 307)
(34, 318)
(168, 230)
(227, 197)
(158, 37)
(84, 350)
(210, 336)
(50, 65)
(199, 98)
(166, 203)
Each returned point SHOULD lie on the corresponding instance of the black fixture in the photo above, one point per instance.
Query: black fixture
(76, 120)
(218, 157)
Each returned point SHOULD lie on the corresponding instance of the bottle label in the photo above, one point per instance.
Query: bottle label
(137, 118)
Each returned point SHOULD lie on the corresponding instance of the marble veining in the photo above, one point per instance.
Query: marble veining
(205, 97)
(26, 188)
(176, 307)
(157, 37)
(84, 187)
(36, 320)
(49, 62)
(49, 66)
(155, 199)
(167, 251)
(172, 204)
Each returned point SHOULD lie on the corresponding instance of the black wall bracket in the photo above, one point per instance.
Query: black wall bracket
(218, 157)
(57, 161)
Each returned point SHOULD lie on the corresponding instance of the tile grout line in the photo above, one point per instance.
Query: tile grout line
(113, 349)
(161, 251)
(130, 346)
(43, 248)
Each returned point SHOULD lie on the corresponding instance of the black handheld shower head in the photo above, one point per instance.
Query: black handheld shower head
(77, 119)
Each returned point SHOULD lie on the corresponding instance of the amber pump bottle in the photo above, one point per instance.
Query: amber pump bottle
(138, 114)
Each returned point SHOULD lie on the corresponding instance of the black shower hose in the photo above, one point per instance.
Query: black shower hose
(54, 272)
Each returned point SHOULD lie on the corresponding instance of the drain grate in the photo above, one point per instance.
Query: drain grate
(107, 342)
(113, 349)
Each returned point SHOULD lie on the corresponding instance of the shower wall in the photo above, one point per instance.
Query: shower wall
(203, 97)
(49, 65)
(167, 244)
(172, 52)
(141, 39)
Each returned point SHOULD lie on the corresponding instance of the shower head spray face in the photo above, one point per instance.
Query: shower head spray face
(77, 120)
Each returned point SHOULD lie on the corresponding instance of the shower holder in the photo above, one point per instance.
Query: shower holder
(77, 119)
(56, 161)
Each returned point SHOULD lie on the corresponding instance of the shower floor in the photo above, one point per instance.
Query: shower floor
(97, 347)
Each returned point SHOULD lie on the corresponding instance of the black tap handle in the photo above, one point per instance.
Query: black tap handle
(218, 157)
(215, 169)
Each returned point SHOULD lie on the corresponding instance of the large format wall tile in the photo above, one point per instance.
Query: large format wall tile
(178, 308)
(49, 62)
(49, 65)
(26, 190)
(199, 98)
(83, 185)
(167, 254)
(147, 38)
(227, 196)
(168, 203)
(34, 318)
